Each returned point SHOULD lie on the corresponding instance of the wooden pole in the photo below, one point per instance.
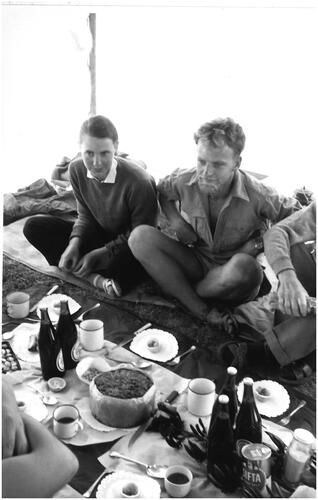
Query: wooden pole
(92, 63)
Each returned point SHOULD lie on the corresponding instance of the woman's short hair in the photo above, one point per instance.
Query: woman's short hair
(220, 131)
(99, 126)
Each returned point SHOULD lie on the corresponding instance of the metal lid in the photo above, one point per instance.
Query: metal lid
(223, 399)
(232, 370)
(256, 451)
(248, 380)
(304, 436)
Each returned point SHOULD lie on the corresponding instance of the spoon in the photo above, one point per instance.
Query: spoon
(47, 398)
(175, 361)
(154, 470)
(286, 420)
(80, 317)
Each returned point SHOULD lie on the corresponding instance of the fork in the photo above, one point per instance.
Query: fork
(88, 493)
(286, 420)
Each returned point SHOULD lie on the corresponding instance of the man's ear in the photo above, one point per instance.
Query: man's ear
(238, 162)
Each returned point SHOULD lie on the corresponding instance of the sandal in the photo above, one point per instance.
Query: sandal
(296, 373)
(112, 288)
(233, 353)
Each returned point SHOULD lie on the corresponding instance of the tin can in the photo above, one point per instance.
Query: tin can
(256, 466)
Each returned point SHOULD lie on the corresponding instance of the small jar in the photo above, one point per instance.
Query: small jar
(298, 455)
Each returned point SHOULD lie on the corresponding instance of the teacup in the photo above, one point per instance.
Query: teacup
(91, 334)
(201, 396)
(18, 304)
(66, 421)
(178, 481)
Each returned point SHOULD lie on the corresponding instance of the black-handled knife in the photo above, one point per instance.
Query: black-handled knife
(165, 405)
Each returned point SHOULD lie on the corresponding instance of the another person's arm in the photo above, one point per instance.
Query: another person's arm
(41, 472)
(14, 440)
(297, 228)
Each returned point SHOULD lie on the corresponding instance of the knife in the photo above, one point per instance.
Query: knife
(164, 405)
(124, 342)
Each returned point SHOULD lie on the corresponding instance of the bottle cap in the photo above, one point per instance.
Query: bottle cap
(232, 370)
(248, 380)
(223, 399)
(304, 436)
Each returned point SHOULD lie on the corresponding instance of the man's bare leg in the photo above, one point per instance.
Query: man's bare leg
(171, 264)
(236, 280)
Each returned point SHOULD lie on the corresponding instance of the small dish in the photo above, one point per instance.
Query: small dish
(153, 345)
(168, 345)
(56, 384)
(111, 486)
(262, 393)
(21, 405)
(130, 490)
(273, 406)
(89, 367)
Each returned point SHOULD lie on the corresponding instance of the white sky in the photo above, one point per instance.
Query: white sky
(162, 71)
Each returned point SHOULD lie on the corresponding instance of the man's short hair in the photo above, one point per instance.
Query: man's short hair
(99, 126)
(220, 131)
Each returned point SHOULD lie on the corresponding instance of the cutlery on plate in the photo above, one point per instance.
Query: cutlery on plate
(175, 361)
(154, 470)
(52, 290)
(286, 420)
(88, 493)
(124, 342)
(80, 316)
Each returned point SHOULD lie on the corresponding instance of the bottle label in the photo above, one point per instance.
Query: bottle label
(60, 362)
(75, 352)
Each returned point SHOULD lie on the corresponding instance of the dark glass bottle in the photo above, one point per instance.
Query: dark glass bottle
(50, 351)
(67, 334)
(248, 421)
(229, 389)
(220, 453)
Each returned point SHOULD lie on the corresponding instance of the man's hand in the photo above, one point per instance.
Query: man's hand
(14, 441)
(70, 256)
(184, 231)
(252, 247)
(92, 261)
(292, 296)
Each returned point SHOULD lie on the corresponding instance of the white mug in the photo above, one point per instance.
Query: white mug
(201, 395)
(91, 333)
(66, 421)
(178, 481)
(18, 304)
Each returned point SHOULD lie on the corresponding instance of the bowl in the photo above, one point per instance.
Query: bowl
(56, 384)
(130, 490)
(89, 367)
(153, 344)
(261, 392)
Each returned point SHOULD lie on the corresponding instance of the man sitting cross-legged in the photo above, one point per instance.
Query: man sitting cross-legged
(226, 211)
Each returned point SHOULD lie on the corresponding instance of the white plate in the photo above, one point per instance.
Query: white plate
(88, 417)
(168, 345)
(20, 342)
(90, 362)
(111, 486)
(33, 403)
(49, 302)
(277, 404)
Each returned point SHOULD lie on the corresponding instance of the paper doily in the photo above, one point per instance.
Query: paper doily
(277, 404)
(88, 417)
(33, 403)
(20, 342)
(50, 300)
(111, 486)
(168, 345)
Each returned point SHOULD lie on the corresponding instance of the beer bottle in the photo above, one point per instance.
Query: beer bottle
(50, 351)
(67, 333)
(248, 422)
(229, 389)
(220, 451)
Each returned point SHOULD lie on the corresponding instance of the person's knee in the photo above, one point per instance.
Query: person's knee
(245, 270)
(142, 240)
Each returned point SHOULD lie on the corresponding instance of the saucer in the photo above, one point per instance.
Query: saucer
(111, 486)
(49, 301)
(274, 405)
(168, 345)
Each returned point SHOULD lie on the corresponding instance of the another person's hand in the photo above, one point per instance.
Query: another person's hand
(14, 440)
(92, 261)
(70, 257)
(184, 232)
(292, 296)
(252, 247)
